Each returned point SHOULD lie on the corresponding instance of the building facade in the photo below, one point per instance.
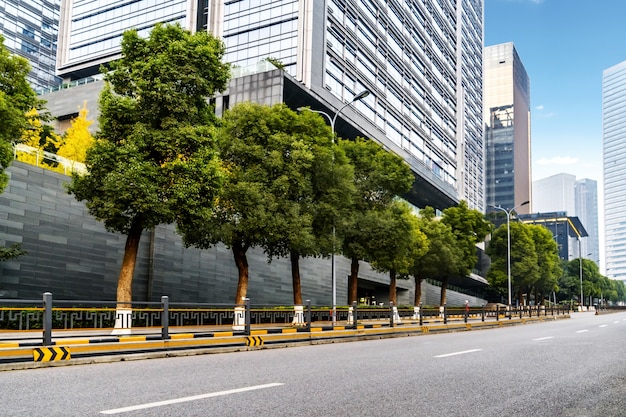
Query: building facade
(507, 129)
(614, 147)
(563, 193)
(421, 62)
(30, 30)
(587, 211)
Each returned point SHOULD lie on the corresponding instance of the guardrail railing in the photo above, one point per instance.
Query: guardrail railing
(22, 318)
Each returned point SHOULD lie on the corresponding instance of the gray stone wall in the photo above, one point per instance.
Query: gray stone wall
(71, 255)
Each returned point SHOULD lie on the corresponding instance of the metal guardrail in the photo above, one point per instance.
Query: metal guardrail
(48, 315)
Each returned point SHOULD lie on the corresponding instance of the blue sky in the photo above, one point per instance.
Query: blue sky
(564, 46)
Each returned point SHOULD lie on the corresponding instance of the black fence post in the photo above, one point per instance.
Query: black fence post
(308, 315)
(445, 314)
(354, 314)
(520, 310)
(482, 313)
(466, 315)
(391, 313)
(165, 317)
(47, 319)
(497, 313)
(246, 303)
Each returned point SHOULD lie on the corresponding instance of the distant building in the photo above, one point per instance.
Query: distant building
(567, 231)
(507, 129)
(563, 193)
(555, 193)
(587, 211)
(614, 145)
(30, 30)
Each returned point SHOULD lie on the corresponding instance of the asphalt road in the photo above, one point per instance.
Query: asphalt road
(574, 367)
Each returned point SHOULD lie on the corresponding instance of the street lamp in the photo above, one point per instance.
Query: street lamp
(332, 121)
(508, 245)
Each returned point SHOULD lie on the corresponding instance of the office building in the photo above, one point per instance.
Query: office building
(586, 195)
(563, 193)
(30, 30)
(507, 129)
(91, 31)
(555, 193)
(614, 148)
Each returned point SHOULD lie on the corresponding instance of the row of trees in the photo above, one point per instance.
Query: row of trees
(538, 273)
(262, 176)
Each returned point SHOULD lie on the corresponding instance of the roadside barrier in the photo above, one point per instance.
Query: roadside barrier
(21, 320)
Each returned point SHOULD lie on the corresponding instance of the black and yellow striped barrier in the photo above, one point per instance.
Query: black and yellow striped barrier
(254, 341)
(48, 354)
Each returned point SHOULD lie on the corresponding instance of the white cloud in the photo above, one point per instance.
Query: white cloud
(558, 160)
(539, 107)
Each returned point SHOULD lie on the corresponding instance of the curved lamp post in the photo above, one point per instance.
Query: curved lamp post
(332, 121)
(508, 244)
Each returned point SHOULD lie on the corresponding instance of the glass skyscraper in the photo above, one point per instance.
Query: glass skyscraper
(30, 30)
(507, 129)
(421, 61)
(614, 148)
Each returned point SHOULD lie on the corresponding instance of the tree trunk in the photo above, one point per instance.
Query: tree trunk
(444, 287)
(125, 279)
(418, 291)
(392, 287)
(239, 252)
(354, 279)
(295, 277)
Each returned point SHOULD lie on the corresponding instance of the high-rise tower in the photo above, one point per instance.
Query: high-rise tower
(507, 128)
(614, 147)
(30, 29)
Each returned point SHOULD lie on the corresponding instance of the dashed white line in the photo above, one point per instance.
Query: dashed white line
(543, 338)
(582, 331)
(615, 322)
(458, 353)
(603, 325)
(186, 399)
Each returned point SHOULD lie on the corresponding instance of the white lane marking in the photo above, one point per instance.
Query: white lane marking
(603, 325)
(185, 399)
(458, 353)
(543, 338)
(582, 331)
(616, 322)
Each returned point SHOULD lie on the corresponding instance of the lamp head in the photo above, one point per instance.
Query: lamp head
(361, 95)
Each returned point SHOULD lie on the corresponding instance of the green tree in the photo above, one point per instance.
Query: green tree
(524, 263)
(16, 99)
(315, 185)
(397, 242)
(548, 262)
(267, 152)
(443, 258)
(154, 154)
(379, 176)
(469, 228)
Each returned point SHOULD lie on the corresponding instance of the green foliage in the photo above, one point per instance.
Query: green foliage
(11, 252)
(470, 228)
(397, 240)
(379, 176)
(444, 257)
(153, 129)
(16, 98)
